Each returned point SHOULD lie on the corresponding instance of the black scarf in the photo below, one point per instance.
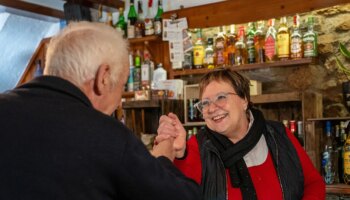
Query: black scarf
(232, 154)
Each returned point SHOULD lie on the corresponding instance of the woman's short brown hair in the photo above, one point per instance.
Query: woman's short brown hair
(238, 82)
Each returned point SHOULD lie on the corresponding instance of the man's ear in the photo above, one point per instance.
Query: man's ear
(102, 79)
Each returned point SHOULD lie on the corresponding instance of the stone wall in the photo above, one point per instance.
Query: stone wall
(333, 26)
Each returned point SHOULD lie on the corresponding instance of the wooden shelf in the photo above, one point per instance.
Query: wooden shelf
(143, 39)
(128, 95)
(275, 98)
(329, 119)
(141, 104)
(338, 189)
(194, 124)
(303, 61)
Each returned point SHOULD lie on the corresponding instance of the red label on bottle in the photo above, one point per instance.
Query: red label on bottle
(270, 47)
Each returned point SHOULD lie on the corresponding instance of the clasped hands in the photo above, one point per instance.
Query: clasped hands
(171, 138)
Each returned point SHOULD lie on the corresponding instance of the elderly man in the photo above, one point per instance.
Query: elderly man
(58, 141)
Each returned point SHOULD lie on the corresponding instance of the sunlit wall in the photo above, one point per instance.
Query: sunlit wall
(19, 37)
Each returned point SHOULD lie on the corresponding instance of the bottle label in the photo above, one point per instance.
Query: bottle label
(270, 47)
(295, 48)
(149, 27)
(220, 59)
(310, 46)
(137, 78)
(198, 52)
(283, 45)
(145, 74)
(209, 58)
(131, 30)
(251, 51)
(157, 27)
(347, 162)
(328, 168)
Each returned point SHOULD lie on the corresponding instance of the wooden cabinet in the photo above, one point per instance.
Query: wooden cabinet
(278, 106)
(314, 128)
(39, 54)
(143, 116)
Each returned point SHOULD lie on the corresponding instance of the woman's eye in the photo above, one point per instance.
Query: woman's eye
(221, 97)
(205, 103)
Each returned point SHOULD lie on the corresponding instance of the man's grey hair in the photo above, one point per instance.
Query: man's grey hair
(78, 50)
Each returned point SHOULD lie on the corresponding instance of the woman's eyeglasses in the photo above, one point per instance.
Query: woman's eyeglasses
(219, 100)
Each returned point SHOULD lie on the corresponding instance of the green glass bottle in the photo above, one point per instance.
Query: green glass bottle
(310, 40)
(121, 24)
(132, 18)
(250, 43)
(158, 19)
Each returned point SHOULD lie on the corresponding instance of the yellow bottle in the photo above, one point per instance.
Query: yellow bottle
(283, 42)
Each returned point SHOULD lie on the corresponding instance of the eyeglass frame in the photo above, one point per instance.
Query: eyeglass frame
(196, 105)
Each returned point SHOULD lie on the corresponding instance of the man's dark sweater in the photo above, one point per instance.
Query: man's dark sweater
(55, 145)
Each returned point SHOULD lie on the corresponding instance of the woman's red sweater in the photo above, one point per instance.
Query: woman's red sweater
(264, 176)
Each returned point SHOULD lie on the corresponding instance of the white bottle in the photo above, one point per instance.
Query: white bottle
(158, 75)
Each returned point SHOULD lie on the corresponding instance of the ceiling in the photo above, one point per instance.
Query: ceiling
(54, 8)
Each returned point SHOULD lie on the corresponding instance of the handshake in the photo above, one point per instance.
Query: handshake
(171, 138)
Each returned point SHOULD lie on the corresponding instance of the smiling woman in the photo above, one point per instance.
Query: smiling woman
(240, 155)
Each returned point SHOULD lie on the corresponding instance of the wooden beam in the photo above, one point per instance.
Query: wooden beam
(94, 3)
(243, 11)
(109, 3)
(35, 8)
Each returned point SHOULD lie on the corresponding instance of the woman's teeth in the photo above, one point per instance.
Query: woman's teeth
(219, 117)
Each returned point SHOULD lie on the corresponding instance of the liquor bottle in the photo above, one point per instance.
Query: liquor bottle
(149, 28)
(159, 75)
(158, 19)
(191, 110)
(121, 24)
(109, 20)
(342, 133)
(310, 40)
(296, 40)
(346, 158)
(147, 67)
(209, 54)
(198, 51)
(137, 71)
(132, 18)
(220, 47)
(292, 128)
(338, 149)
(231, 48)
(188, 59)
(140, 23)
(327, 157)
(250, 43)
(283, 40)
(300, 133)
(260, 42)
(130, 87)
(241, 50)
(270, 42)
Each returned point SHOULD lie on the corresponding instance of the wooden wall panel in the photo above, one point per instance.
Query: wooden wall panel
(236, 12)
